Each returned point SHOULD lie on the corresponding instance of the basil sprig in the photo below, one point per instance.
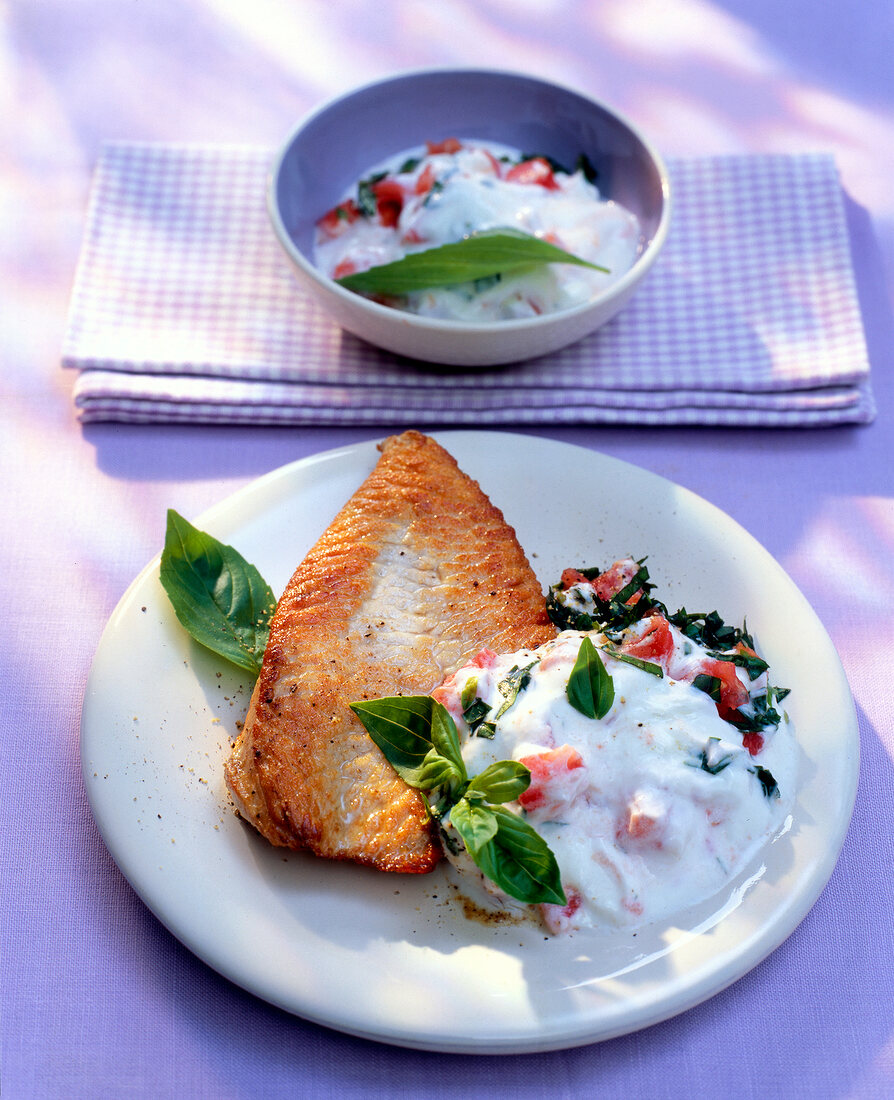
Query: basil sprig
(420, 741)
(478, 256)
(221, 600)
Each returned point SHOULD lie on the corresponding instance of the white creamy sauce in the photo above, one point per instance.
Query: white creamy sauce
(648, 810)
(445, 196)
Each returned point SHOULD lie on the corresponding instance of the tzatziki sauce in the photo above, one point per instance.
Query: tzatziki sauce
(648, 810)
(442, 193)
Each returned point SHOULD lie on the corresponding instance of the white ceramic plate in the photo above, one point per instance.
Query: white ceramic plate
(392, 957)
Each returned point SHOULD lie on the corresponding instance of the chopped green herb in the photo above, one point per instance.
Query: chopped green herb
(637, 662)
(516, 680)
(710, 685)
(475, 713)
(713, 759)
(366, 196)
(585, 165)
(767, 782)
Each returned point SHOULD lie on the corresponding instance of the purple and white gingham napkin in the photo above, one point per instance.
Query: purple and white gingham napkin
(185, 309)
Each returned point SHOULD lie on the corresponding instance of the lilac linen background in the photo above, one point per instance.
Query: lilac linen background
(185, 309)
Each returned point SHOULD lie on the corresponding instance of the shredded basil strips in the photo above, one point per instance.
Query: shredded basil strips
(420, 741)
(708, 629)
(479, 256)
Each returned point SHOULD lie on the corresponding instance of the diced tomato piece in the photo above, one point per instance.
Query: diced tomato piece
(616, 578)
(753, 741)
(733, 693)
(547, 768)
(654, 640)
(412, 237)
(494, 163)
(558, 918)
(426, 180)
(445, 693)
(336, 221)
(344, 267)
(639, 824)
(389, 200)
(536, 171)
(484, 658)
(571, 577)
(643, 822)
(448, 145)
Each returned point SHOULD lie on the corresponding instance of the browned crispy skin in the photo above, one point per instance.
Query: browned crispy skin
(416, 574)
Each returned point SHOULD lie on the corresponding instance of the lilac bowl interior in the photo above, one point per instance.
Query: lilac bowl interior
(339, 142)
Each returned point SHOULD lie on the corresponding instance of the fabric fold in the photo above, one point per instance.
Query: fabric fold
(185, 308)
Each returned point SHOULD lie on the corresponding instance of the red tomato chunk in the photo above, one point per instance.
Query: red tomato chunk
(536, 170)
(389, 201)
(654, 642)
(448, 145)
(547, 768)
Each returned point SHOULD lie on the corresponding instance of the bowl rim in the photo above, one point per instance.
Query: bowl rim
(352, 300)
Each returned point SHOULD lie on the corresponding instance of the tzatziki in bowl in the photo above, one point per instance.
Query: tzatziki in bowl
(469, 217)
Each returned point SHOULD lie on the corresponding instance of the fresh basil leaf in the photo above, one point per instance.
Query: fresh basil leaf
(489, 252)
(516, 680)
(221, 600)
(590, 688)
(437, 771)
(475, 824)
(412, 731)
(401, 726)
(445, 738)
(518, 860)
(503, 781)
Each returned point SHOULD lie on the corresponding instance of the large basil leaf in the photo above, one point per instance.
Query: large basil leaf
(221, 600)
(401, 726)
(479, 256)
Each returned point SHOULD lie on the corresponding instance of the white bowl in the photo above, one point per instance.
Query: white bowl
(338, 142)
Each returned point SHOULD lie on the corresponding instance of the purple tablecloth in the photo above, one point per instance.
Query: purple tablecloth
(99, 999)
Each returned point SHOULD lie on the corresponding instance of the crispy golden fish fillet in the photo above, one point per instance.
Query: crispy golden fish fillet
(415, 574)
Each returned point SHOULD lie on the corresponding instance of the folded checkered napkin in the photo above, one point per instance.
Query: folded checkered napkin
(184, 308)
